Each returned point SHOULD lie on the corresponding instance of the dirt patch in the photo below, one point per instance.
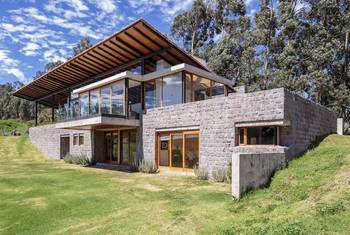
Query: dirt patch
(38, 202)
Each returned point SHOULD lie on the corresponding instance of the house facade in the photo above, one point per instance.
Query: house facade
(136, 95)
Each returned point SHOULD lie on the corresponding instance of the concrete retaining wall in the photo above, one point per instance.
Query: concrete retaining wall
(254, 170)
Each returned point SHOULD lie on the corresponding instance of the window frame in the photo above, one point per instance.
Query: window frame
(81, 137)
(245, 136)
(75, 139)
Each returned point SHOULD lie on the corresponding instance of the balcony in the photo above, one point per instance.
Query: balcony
(115, 104)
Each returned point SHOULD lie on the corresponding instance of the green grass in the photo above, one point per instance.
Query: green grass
(7, 126)
(40, 196)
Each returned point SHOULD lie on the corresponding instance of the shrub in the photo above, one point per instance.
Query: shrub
(347, 128)
(201, 173)
(325, 209)
(222, 174)
(79, 159)
(148, 167)
(134, 166)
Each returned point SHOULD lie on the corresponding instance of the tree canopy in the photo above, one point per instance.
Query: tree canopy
(301, 45)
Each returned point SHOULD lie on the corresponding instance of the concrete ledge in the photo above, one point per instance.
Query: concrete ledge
(251, 170)
(100, 120)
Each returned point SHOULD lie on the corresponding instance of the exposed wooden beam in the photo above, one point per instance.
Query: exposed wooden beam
(115, 51)
(81, 69)
(108, 59)
(107, 73)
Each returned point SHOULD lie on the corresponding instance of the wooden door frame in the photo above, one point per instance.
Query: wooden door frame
(170, 133)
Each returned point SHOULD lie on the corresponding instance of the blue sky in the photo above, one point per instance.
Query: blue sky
(35, 32)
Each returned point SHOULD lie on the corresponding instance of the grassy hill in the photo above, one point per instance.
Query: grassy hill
(7, 126)
(39, 196)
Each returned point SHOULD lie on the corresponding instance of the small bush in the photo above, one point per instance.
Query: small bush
(148, 167)
(79, 159)
(222, 174)
(134, 166)
(325, 209)
(347, 128)
(201, 173)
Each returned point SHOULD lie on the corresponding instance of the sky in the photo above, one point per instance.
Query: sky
(35, 32)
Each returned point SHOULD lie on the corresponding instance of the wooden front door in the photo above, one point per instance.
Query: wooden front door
(64, 146)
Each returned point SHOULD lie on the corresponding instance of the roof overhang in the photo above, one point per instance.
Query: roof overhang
(156, 74)
(138, 43)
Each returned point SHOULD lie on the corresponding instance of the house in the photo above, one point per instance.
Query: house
(136, 95)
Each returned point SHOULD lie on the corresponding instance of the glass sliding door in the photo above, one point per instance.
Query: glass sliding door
(128, 147)
(178, 150)
(112, 147)
(191, 150)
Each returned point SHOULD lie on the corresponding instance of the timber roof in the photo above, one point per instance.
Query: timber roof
(123, 50)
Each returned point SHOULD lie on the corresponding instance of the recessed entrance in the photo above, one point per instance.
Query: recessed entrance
(178, 150)
(64, 150)
(120, 147)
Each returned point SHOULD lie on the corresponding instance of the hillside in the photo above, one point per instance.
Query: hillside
(7, 126)
(39, 195)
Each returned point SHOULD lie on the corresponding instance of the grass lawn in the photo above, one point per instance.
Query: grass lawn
(40, 196)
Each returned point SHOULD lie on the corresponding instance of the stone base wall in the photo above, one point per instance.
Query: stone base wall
(308, 120)
(215, 119)
(47, 139)
(254, 170)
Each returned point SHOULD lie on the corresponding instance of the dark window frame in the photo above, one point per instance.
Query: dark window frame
(244, 140)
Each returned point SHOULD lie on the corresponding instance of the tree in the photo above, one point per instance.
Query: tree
(83, 44)
(192, 27)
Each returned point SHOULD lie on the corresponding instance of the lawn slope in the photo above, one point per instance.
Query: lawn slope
(40, 196)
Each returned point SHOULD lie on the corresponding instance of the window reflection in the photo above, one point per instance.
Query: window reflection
(84, 104)
(172, 89)
(201, 88)
(118, 100)
(105, 99)
(94, 104)
(150, 95)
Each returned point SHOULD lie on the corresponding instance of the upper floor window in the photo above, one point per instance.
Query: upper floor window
(84, 104)
(118, 100)
(258, 135)
(199, 88)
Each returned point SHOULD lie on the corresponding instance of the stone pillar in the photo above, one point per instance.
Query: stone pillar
(340, 126)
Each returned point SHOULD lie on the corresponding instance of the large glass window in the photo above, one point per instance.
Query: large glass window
(74, 106)
(105, 99)
(94, 101)
(201, 88)
(189, 95)
(191, 150)
(134, 98)
(150, 95)
(84, 104)
(258, 135)
(118, 101)
(217, 89)
(159, 92)
(172, 89)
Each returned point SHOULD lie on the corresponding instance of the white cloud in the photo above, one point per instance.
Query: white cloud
(17, 73)
(30, 49)
(168, 8)
(10, 66)
(248, 2)
(107, 6)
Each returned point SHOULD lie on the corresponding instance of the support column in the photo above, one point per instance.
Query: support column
(36, 113)
(52, 114)
(143, 86)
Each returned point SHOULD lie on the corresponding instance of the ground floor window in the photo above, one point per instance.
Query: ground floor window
(267, 135)
(178, 149)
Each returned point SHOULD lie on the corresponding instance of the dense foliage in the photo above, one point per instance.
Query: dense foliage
(302, 45)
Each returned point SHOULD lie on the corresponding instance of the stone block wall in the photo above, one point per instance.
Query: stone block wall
(308, 120)
(47, 139)
(215, 118)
